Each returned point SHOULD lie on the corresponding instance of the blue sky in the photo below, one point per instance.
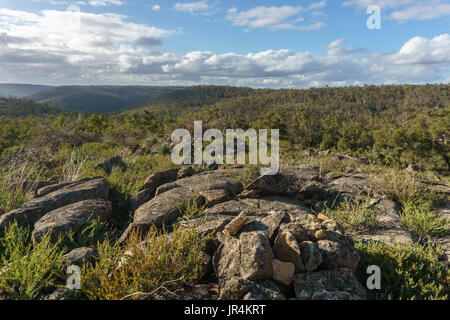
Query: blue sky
(251, 43)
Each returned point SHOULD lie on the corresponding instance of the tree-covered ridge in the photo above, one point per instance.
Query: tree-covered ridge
(100, 99)
(9, 90)
(14, 107)
(392, 125)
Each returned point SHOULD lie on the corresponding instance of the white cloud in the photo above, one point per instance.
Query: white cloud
(105, 3)
(405, 10)
(274, 18)
(193, 7)
(50, 48)
(156, 7)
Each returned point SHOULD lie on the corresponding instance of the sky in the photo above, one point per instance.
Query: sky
(256, 43)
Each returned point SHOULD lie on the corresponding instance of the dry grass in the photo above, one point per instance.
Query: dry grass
(163, 259)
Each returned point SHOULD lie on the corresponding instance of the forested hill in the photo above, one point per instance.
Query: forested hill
(20, 90)
(14, 107)
(193, 98)
(100, 99)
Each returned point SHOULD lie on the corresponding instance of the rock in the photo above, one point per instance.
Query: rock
(283, 272)
(260, 208)
(73, 217)
(297, 229)
(337, 284)
(63, 294)
(273, 222)
(170, 199)
(238, 289)
(388, 213)
(264, 290)
(287, 249)
(227, 259)
(79, 256)
(322, 217)
(332, 225)
(256, 256)
(32, 211)
(51, 188)
(269, 184)
(313, 190)
(338, 254)
(236, 224)
(235, 289)
(391, 236)
(328, 235)
(109, 164)
(159, 211)
(185, 171)
(153, 182)
(311, 256)
(349, 186)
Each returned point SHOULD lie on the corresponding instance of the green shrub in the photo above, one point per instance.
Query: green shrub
(420, 219)
(354, 215)
(27, 269)
(168, 260)
(397, 185)
(96, 232)
(407, 273)
(191, 208)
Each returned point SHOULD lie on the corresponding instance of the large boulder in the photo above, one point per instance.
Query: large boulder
(256, 256)
(338, 254)
(170, 199)
(153, 182)
(72, 218)
(32, 211)
(337, 284)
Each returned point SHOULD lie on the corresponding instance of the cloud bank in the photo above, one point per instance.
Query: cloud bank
(62, 47)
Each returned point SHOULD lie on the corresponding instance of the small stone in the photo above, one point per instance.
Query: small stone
(236, 224)
(310, 255)
(299, 231)
(283, 272)
(322, 217)
(287, 249)
(327, 235)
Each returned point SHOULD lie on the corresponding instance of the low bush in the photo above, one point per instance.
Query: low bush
(163, 260)
(407, 273)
